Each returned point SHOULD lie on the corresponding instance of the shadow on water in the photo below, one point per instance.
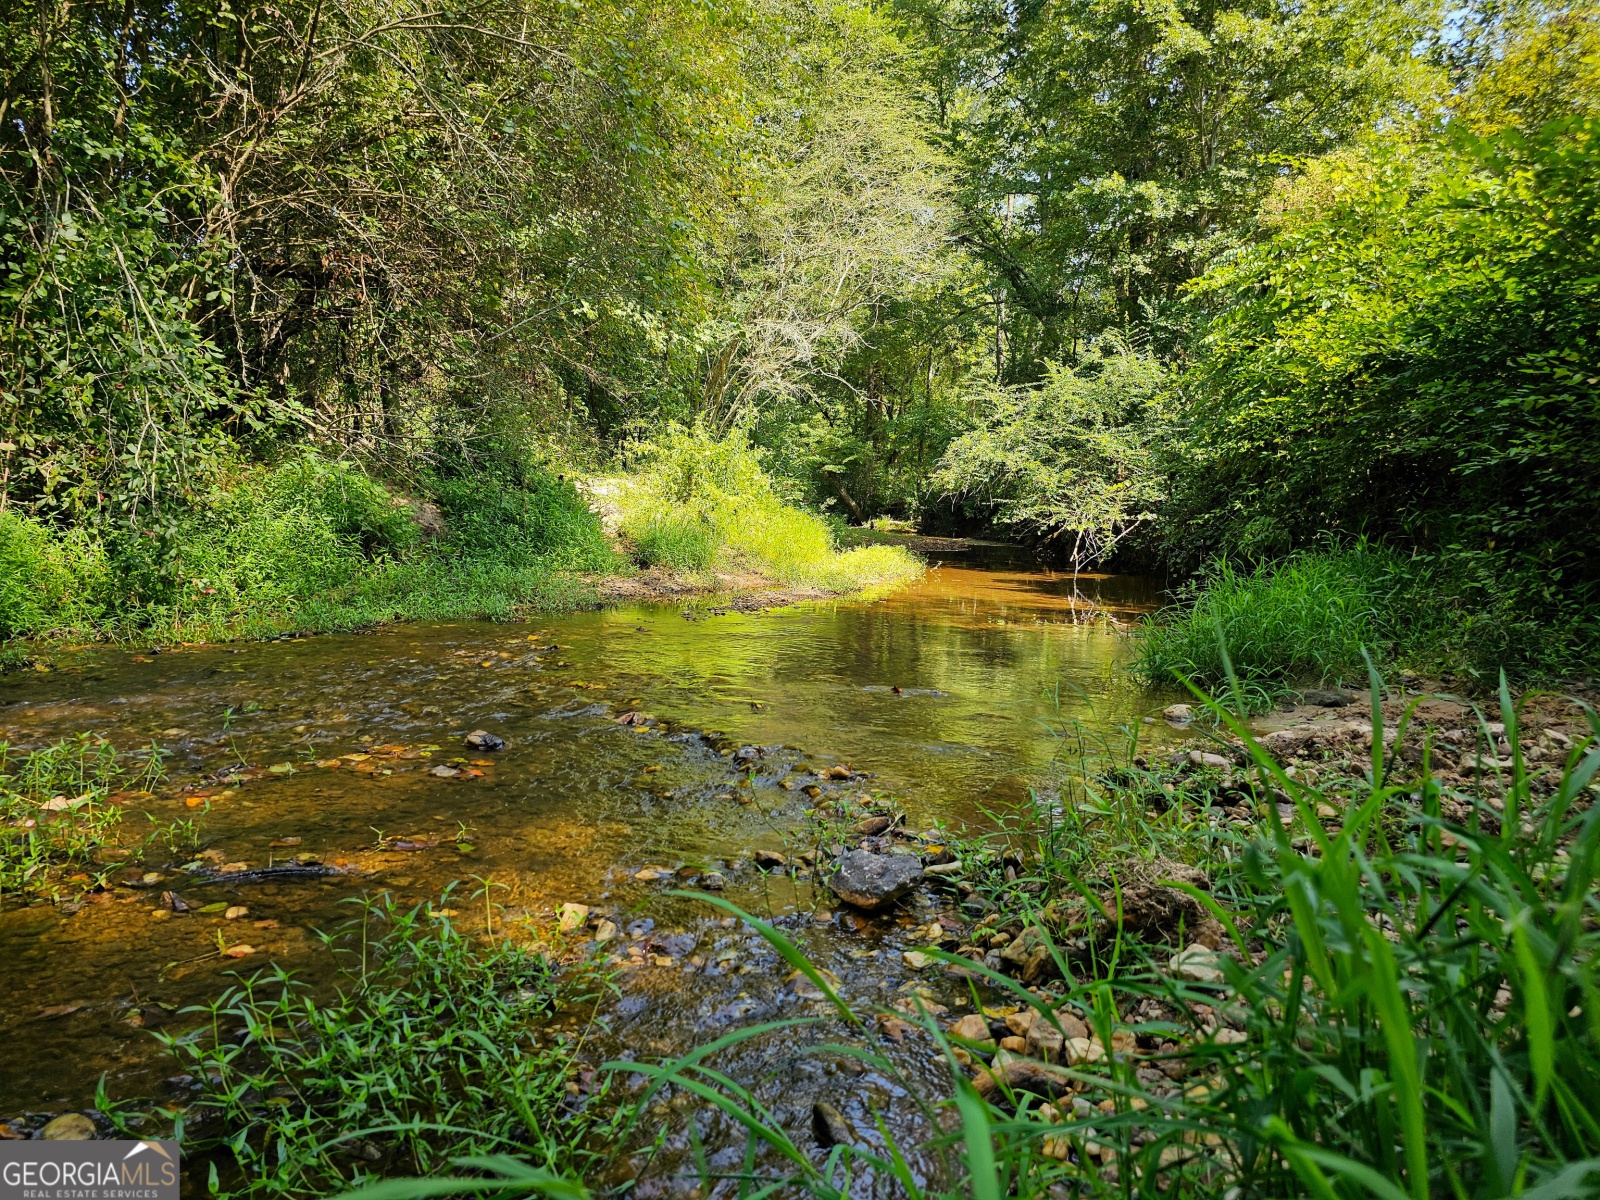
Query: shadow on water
(945, 693)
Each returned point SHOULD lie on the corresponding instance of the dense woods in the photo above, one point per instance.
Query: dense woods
(1175, 284)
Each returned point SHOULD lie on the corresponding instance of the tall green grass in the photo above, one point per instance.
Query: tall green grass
(1305, 619)
(699, 501)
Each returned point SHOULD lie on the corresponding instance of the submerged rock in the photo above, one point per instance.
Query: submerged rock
(870, 881)
(829, 1126)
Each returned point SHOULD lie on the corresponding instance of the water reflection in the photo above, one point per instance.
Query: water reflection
(946, 692)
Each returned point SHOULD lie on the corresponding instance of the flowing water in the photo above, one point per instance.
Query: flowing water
(949, 694)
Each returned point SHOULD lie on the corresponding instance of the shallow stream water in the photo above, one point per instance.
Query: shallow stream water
(950, 695)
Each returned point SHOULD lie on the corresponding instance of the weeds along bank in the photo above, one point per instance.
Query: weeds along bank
(314, 543)
(307, 544)
(699, 504)
(1310, 619)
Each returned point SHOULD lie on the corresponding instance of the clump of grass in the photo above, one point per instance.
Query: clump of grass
(677, 543)
(1304, 619)
(427, 1053)
(526, 518)
(49, 578)
(709, 500)
(55, 811)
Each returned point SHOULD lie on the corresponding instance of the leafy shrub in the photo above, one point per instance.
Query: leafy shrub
(1306, 619)
(1071, 459)
(280, 535)
(48, 580)
(719, 485)
(1403, 356)
(340, 495)
(518, 520)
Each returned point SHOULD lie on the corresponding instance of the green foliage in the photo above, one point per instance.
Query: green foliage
(715, 492)
(1110, 151)
(113, 399)
(1303, 619)
(55, 812)
(1405, 356)
(309, 543)
(426, 1054)
(515, 521)
(682, 545)
(1070, 459)
(48, 579)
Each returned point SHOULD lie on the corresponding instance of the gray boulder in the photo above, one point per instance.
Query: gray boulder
(869, 881)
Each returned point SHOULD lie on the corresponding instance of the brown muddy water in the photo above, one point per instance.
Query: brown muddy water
(951, 694)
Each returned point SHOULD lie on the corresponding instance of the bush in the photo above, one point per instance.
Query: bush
(48, 580)
(278, 536)
(1069, 460)
(517, 520)
(691, 480)
(1306, 619)
(1400, 356)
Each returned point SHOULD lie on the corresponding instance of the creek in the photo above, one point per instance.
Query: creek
(950, 696)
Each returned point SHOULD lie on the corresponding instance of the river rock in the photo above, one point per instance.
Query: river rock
(973, 1029)
(829, 1126)
(870, 881)
(1327, 699)
(1197, 964)
(1178, 714)
(573, 916)
(482, 739)
(1202, 758)
(69, 1127)
(1029, 953)
(769, 860)
(712, 881)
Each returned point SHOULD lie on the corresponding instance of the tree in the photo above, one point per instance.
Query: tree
(1111, 151)
(1071, 458)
